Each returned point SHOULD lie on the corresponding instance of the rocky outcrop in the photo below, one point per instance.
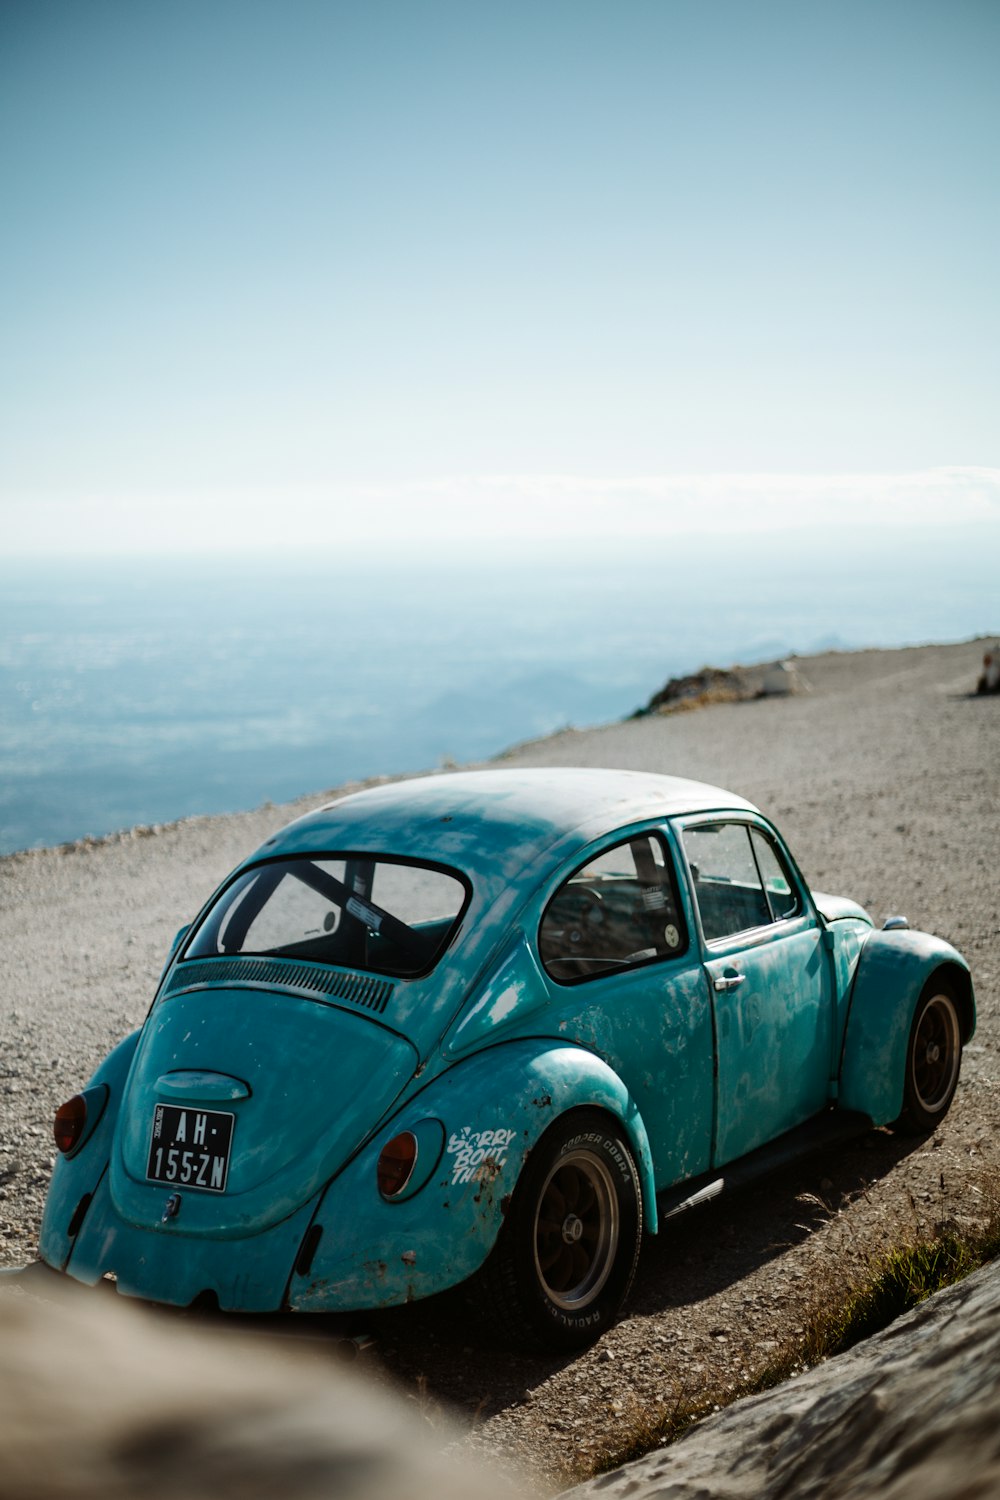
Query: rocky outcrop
(776, 679)
(911, 1414)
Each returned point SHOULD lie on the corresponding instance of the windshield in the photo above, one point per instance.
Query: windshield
(351, 910)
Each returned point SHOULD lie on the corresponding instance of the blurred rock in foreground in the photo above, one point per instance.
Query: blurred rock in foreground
(100, 1400)
(911, 1414)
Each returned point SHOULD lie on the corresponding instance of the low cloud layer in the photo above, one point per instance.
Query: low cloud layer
(459, 512)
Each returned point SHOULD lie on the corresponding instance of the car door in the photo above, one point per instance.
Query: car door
(626, 981)
(768, 979)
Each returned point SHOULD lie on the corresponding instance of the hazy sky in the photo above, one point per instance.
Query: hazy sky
(297, 272)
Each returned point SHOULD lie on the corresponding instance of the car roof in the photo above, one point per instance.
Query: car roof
(495, 824)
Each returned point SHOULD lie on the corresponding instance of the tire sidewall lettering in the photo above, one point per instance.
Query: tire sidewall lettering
(607, 1145)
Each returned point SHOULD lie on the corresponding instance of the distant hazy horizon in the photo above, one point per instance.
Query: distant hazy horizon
(145, 690)
(459, 518)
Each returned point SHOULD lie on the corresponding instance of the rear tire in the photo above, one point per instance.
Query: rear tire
(933, 1059)
(566, 1255)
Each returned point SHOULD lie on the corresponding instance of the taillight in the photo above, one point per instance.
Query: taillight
(70, 1123)
(396, 1163)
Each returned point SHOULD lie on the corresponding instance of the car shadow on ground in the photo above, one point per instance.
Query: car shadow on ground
(445, 1360)
(707, 1250)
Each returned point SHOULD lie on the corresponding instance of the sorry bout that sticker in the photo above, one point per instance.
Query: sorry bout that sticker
(478, 1153)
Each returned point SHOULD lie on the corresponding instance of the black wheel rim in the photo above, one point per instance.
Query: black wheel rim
(936, 1053)
(576, 1230)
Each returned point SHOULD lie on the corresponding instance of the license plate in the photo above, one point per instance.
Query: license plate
(190, 1147)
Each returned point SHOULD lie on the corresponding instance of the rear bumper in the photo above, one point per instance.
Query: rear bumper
(165, 1265)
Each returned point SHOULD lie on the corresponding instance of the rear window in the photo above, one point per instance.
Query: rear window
(389, 916)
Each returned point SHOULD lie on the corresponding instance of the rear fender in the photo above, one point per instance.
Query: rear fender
(893, 969)
(363, 1251)
(75, 1178)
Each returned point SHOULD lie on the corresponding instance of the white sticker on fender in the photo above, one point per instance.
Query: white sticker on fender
(479, 1154)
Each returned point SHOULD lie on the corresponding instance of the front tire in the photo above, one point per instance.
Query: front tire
(933, 1059)
(567, 1252)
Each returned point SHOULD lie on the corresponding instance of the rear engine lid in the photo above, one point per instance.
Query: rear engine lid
(260, 1096)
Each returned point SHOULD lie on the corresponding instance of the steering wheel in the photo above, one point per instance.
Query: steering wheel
(577, 912)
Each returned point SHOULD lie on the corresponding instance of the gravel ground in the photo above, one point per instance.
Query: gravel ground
(886, 781)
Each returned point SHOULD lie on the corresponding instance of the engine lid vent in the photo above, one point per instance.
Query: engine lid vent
(359, 989)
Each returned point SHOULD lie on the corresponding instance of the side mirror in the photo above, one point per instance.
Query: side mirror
(894, 924)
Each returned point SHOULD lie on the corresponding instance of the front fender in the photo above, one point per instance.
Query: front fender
(75, 1178)
(363, 1251)
(891, 974)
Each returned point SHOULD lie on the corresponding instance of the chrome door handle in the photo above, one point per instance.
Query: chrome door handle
(728, 979)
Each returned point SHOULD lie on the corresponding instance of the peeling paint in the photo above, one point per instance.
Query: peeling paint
(486, 1175)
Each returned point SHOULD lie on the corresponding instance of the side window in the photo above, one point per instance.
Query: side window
(781, 893)
(616, 912)
(727, 885)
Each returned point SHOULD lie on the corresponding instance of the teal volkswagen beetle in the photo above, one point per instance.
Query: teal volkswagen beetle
(489, 1028)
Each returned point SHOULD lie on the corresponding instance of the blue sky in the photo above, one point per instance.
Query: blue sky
(283, 273)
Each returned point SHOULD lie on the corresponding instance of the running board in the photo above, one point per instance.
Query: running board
(822, 1130)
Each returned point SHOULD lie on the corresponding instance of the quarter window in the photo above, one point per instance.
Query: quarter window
(618, 911)
(781, 893)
